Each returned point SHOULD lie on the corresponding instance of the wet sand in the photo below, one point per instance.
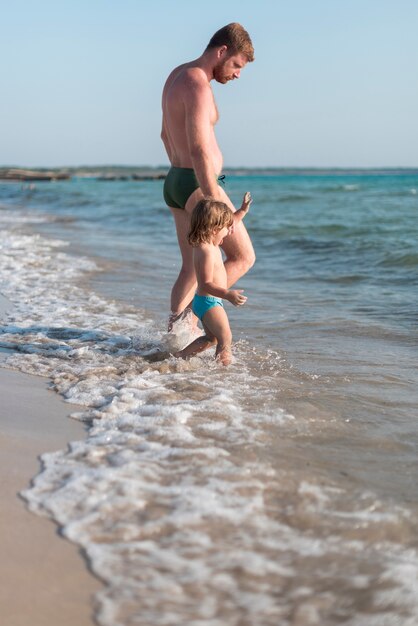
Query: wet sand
(44, 580)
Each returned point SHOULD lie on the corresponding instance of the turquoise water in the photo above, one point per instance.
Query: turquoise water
(344, 244)
(338, 252)
(299, 462)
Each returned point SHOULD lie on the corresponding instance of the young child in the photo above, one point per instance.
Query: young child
(211, 221)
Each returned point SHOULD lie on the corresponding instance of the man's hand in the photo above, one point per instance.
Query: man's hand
(235, 297)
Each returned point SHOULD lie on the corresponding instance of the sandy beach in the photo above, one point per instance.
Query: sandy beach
(44, 579)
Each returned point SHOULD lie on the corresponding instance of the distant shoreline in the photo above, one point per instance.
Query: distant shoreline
(141, 173)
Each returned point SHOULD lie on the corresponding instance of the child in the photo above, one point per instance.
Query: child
(211, 221)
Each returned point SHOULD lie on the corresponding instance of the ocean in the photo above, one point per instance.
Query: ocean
(279, 491)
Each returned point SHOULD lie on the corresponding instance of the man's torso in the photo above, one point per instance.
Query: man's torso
(174, 104)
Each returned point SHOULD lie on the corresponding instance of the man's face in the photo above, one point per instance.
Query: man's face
(229, 67)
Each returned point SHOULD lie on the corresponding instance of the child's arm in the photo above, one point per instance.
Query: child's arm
(242, 212)
(204, 264)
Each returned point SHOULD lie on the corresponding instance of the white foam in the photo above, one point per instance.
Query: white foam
(171, 495)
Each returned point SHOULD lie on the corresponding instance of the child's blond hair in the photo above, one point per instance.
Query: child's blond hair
(208, 217)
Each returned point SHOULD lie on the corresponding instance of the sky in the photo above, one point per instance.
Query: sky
(334, 82)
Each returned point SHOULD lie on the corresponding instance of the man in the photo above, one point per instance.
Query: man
(189, 117)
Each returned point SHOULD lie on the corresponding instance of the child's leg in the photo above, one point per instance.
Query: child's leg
(215, 322)
(198, 345)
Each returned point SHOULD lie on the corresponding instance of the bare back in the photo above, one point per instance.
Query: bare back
(188, 108)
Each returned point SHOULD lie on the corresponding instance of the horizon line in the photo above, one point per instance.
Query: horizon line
(226, 167)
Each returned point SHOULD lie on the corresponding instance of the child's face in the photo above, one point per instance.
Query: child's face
(220, 235)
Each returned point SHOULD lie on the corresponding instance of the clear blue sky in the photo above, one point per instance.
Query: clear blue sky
(334, 82)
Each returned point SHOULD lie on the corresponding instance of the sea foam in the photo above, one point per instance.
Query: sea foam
(175, 495)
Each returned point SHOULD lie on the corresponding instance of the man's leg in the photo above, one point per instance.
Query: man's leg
(239, 251)
(185, 285)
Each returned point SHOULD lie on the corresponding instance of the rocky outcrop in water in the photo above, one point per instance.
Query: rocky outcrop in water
(17, 174)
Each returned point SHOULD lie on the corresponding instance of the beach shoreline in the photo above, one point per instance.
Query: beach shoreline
(43, 577)
(306, 444)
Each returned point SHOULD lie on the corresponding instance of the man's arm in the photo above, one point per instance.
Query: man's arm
(198, 102)
(166, 143)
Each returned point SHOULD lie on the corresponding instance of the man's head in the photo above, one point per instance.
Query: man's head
(234, 50)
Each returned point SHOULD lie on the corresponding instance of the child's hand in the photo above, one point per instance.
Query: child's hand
(238, 215)
(246, 202)
(235, 297)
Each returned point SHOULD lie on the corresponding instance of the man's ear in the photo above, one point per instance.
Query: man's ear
(222, 51)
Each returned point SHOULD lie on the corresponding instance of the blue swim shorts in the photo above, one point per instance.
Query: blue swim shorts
(202, 304)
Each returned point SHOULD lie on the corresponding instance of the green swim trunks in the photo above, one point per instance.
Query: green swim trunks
(179, 185)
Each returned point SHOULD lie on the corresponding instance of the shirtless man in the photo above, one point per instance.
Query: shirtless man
(189, 117)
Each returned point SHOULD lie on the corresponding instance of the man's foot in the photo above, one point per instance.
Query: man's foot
(176, 317)
(186, 317)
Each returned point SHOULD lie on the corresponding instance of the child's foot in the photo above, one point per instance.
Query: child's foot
(224, 356)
